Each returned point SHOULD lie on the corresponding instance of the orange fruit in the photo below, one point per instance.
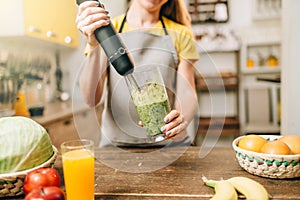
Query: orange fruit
(252, 143)
(293, 141)
(276, 147)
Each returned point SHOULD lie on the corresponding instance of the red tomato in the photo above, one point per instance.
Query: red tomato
(40, 178)
(46, 193)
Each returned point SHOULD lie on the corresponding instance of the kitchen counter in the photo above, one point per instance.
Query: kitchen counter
(180, 180)
(57, 110)
(71, 120)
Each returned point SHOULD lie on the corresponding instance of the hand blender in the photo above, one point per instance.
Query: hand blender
(113, 47)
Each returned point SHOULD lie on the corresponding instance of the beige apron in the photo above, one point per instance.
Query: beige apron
(120, 120)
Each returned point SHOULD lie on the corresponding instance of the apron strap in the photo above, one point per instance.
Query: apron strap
(160, 18)
(122, 24)
(163, 25)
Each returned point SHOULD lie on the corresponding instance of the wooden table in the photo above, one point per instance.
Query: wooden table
(179, 180)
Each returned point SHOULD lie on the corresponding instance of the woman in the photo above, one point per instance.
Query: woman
(154, 31)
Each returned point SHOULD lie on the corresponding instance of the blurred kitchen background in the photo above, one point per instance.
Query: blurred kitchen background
(247, 77)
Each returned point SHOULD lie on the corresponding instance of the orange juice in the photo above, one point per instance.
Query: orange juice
(78, 166)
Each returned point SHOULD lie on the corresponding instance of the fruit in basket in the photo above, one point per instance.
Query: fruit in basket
(46, 193)
(266, 164)
(250, 188)
(276, 147)
(40, 178)
(24, 144)
(223, 189)
(252, 142)
(293, 141)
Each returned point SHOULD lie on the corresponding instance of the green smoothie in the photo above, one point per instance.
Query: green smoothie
(152, 105)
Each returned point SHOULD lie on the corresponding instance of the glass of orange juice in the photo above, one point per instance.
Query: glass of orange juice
(78, 168)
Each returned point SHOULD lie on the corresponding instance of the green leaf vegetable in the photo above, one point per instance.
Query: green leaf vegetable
(24, 144)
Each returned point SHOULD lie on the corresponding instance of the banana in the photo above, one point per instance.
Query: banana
(223, 189)
(251, 189)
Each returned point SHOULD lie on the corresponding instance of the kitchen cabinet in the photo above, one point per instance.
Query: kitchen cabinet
(266, 9)
(217, 79)
(208, 11)
(260, 87)
(261, 57)
(62, 130)
(88, 124)
(66, 121)
(84, 124)
(218, 92)
(40, 20)
(225, 123)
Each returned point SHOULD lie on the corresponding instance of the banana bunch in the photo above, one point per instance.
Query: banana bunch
(223, 189)
(226, 189)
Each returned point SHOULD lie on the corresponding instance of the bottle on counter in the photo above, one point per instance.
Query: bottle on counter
(272, 60)
(35, 96)
(20, 105)
(261, 60)
(250, 62)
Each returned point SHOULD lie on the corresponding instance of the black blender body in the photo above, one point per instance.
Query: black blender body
(113, 47)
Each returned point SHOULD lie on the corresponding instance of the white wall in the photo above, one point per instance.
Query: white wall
(290, 73)
(239, 13)
(241, 19)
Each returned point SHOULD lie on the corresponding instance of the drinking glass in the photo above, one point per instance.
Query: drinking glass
(150, 98)
(78, 168)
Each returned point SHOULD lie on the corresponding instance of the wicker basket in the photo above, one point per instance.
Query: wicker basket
(267, 165)
(12, 184)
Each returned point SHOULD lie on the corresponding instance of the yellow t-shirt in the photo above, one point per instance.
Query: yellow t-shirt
(181, 36)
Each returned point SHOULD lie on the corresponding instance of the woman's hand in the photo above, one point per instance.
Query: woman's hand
(175, 127)
(90, 17)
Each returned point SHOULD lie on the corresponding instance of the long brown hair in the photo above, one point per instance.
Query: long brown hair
(176, 11)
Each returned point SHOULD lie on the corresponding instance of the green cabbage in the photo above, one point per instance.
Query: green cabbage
(24, 144)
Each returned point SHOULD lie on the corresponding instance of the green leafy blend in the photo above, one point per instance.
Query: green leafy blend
(24, 144)
(152, 105)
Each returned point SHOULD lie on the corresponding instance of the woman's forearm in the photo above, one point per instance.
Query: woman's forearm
(185, 103)
(186, 98)
(92, 77)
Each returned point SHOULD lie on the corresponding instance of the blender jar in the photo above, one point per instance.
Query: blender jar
(150, 98)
